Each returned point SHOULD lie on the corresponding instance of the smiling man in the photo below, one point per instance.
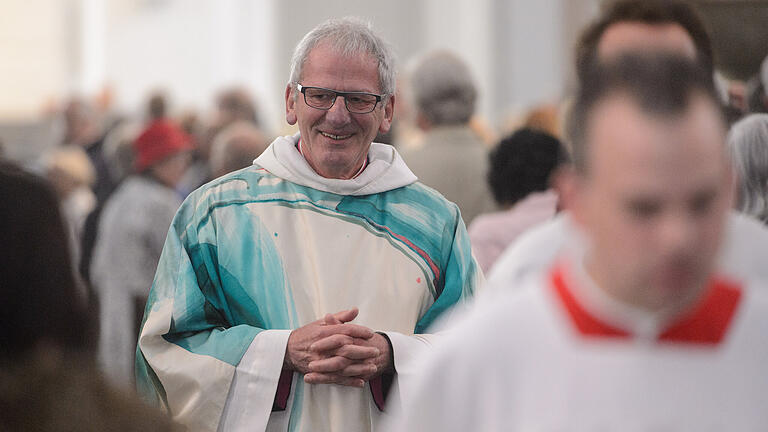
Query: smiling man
(248, 325)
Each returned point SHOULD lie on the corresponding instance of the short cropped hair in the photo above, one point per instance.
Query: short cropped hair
(443, 89)
(348, 36)
(660, 84)
(748, 145)
(523, 163)
(648, 12)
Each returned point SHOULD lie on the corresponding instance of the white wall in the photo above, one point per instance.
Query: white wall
(191, 48)
(529, 48)
(466, 28)
(519, 50)
(35, 62)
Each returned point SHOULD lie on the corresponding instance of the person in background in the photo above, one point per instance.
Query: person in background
(236, 147)
(748, 144)
(70, 171)
(83, 128)
(157, 107)
(233, 105)
(131, 232)
(48, 378)
(249, 323)
(544, 118)
(521, 167)
(757, 89)
(639, 329)
(452, 158)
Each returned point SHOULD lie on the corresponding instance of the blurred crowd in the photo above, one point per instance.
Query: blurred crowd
(116, 183)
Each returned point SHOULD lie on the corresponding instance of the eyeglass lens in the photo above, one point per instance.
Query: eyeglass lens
(324, 99)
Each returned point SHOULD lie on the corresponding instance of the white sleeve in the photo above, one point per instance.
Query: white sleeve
(433, 402)
(408, 353)
(251, 396)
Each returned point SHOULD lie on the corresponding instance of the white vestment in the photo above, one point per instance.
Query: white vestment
(556, 353)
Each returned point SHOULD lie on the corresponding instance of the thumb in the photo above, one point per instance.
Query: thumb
(346, 316)
(331, 319)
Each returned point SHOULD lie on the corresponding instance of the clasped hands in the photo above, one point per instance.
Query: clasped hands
(333, 351)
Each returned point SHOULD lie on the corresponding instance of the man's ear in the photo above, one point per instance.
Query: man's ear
(561, 182)
(570, 187)
(389, 112)
(290, 105)
(732, 185)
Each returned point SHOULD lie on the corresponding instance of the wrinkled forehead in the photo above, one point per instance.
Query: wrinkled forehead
(336, 52)
(328, 61)
(634, 36)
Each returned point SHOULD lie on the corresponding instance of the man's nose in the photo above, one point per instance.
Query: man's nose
(679, 233)
(338, 113)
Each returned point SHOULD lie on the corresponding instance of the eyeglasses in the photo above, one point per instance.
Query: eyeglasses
(323, 98)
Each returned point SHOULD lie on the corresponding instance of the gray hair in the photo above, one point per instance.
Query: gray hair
(764, 74)
(348, 36)
(443, 89)
(236, 147)
(748, 144)
(117, 149)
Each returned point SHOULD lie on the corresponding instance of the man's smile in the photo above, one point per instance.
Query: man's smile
(335, 137)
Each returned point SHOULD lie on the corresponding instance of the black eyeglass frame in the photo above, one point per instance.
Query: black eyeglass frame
(303, 90)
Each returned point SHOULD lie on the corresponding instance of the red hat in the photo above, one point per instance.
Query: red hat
(159, 140)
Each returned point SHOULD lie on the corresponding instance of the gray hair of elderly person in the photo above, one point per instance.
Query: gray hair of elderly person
(118, 149)
(748, 144)
(443, 89)
(236, 147)
(349, 36)
(764, 74)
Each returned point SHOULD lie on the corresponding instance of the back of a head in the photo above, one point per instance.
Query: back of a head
(236, 147)
(523, 163)
(443, 89)
(653, 12)
(236, 104)
(70, 164)
(659, 84)
(748, 144)
(40, 301)
(118, 149)
(348, 36)
(157, 106)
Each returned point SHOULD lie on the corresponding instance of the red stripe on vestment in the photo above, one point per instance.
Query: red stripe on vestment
(585, 323)
(706, 323)
(709, 320)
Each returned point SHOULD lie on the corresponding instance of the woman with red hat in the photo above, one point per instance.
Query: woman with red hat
(130, 239)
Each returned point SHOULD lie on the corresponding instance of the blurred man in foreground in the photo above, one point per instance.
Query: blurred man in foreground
(638, 330)
(629, 26)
